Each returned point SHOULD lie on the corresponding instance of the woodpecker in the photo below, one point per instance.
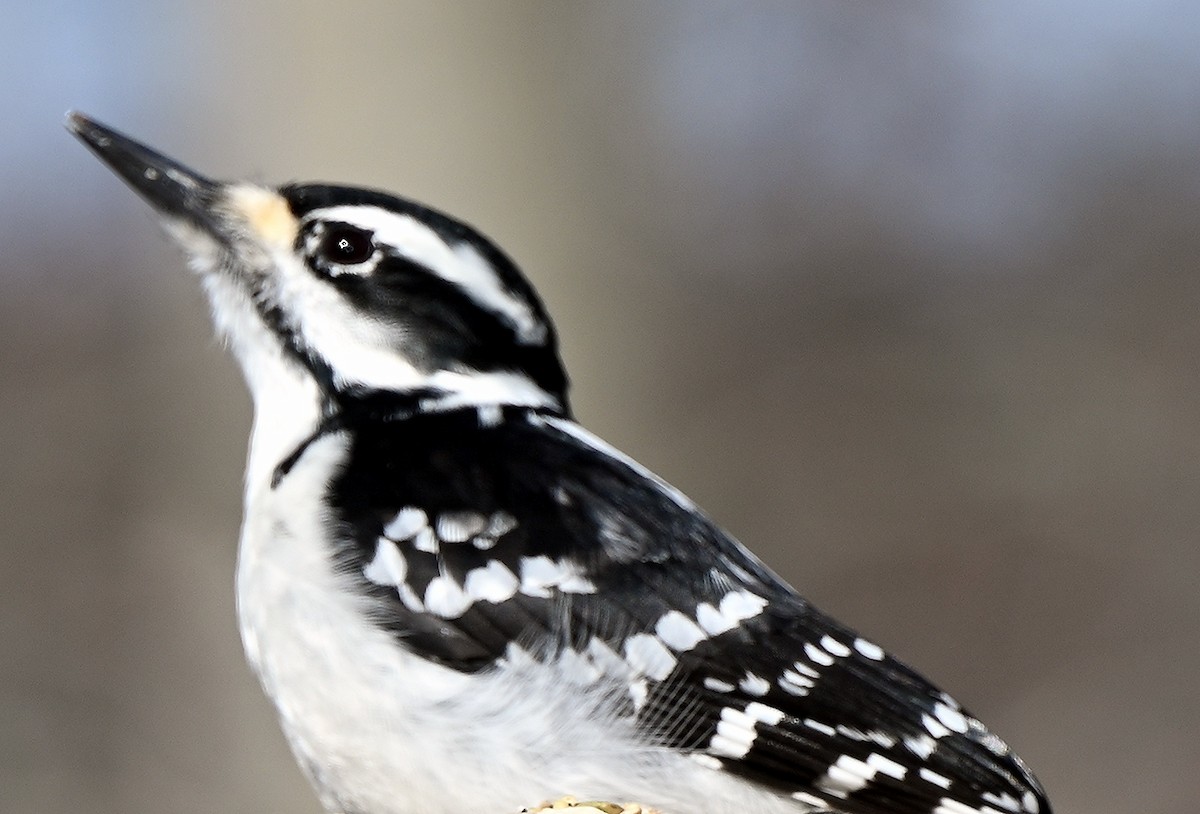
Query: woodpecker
(458, 599)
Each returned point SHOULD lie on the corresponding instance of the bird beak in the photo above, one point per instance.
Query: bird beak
(229, 213)
(168, 186)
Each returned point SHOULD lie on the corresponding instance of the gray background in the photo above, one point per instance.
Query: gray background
(906, 296)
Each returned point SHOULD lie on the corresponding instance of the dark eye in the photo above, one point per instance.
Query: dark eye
(345, 245)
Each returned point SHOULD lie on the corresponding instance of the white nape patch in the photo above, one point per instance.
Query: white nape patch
(540, 575)
(475, 388)
(460, 264)
(405, 525)
(678, 632)
(570, 428)
(717, 685)
(816, 655)
(493, 582)
(868, 649)
(444, 598)
(458, 527)
(1005, 801)
(834, 647)
(952, 719)
(648, 656)
(735, 607)
(388, 567)
(752, 684)
(929, 775)
(920, 745)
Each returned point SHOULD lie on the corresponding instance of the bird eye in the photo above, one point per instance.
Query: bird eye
(346, 245)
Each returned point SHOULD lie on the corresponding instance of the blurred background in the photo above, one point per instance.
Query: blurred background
(905, 295)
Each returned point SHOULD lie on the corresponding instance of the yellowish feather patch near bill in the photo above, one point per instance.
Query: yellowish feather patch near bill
(266, 214)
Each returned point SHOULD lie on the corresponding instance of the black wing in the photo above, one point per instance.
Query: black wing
(478, 533)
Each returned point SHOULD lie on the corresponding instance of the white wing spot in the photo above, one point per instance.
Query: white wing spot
(444, 597)
(933, 777)
(388, 567)
(493, 582)
(410, 599)
(1005, 800)
(885, 765)
(407, 522)
(948, 806)
(834, 647)
(717, 685)
(678, 632)
(846, 776)
(764, 714)
(735, 734)
(458, 527)
(824, 729)
(806, 670)
(426, 541)
(794, 683)
(868, 649)
(540, 574)
(921, 745)
(752, 684)
(952, 719)
(816, 655)
(933, 726)
(648, 656)
(735, 607)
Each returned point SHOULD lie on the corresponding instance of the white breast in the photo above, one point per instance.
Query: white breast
(381, 731)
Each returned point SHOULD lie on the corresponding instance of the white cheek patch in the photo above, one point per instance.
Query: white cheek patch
(358, 349)
(460, 264)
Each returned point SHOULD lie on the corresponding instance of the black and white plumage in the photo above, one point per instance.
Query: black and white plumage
(458, 599)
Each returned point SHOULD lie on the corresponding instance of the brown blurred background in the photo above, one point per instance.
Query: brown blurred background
(905, 296)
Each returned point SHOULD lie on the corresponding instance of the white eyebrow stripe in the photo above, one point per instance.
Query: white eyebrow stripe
(460, 264)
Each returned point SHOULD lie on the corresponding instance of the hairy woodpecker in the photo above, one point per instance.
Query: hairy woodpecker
(460, 600)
